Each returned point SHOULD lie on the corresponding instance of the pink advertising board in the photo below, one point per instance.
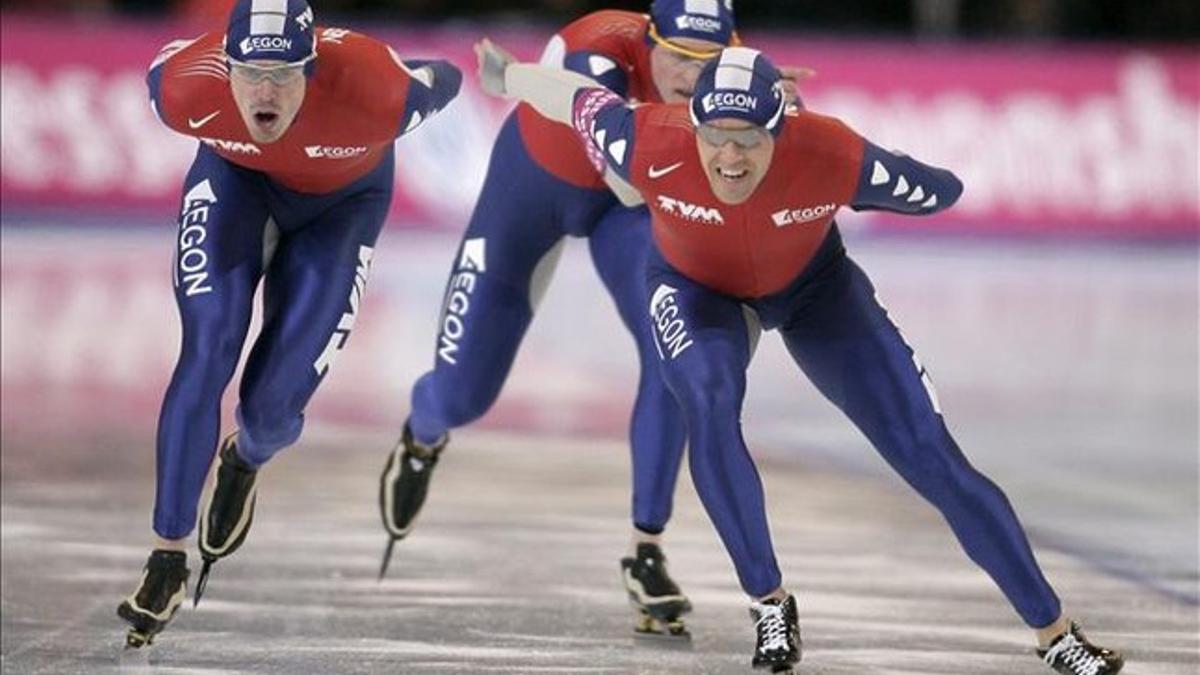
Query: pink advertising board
(1048, 139)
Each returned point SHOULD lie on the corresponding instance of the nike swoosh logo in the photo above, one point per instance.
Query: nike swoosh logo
(656, 172)
(196, 124)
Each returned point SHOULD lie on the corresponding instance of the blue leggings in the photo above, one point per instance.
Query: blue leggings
(840, 336)
(502, 266)
(236, 227)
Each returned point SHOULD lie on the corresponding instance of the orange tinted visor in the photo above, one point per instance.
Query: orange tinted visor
(684, 51)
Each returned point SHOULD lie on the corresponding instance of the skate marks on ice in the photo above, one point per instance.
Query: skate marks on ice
(1082, 357)
(513, 568)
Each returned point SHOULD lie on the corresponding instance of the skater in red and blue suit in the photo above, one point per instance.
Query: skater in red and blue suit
(540, 189)
(290, 186)
(742, 192)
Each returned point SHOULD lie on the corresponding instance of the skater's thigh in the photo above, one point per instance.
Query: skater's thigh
(522, 212)
(702, 338)
(619, 245)
(218, 257)
(857, 357)
(312, 298)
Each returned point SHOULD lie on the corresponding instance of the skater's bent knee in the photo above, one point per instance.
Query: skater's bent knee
(263, 435)
(465, 407)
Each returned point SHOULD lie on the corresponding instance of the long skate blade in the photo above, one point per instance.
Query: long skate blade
(673, 634)
(136, 639)
(202, 582)
(663, 641)
(387, 557)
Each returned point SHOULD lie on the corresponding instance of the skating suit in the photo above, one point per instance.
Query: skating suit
(776, 261)
(540, 188)
(303, 211)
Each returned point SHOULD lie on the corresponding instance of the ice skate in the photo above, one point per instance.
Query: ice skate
(403, 486)
(162, 590)
(659, 603)
(778, 628)
(226, 518)
(1072, 654)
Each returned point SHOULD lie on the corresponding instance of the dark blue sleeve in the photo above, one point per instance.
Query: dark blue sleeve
(155, 74)
(891, 181)
(605, 124)
(427, 95)
(154, 83)
(601, 69)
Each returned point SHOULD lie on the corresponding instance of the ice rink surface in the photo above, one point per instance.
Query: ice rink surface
(1068, 374)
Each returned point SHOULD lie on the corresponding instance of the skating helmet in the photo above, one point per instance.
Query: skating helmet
(741, 83)
(710, 20)
(271, 30)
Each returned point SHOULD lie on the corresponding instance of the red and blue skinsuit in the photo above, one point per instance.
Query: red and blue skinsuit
(300, 214)
(778, 256)
(540, 188)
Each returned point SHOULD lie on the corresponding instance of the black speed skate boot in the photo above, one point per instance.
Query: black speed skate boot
(403, 487)
(162, 590)
(778, 626)
(226, 518)
(656, 598)
(1072, 654)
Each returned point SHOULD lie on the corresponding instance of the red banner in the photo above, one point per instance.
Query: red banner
(1058, 140)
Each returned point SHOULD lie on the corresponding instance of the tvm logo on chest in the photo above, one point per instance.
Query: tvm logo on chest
(693, 212)
(231, 146)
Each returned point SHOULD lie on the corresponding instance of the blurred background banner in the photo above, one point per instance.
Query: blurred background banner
(1059, 322)
(1049, 138)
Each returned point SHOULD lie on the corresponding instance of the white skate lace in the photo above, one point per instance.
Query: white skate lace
(1075, 655)
(772, 627)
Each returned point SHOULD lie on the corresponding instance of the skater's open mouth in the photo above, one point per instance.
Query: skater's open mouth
(265, 117)
(732, 175)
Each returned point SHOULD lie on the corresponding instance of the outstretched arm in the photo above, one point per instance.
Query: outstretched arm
(895, 182)
(551, 91)
(155, 75)
(792, 76)
(432, 86)
(558, 95)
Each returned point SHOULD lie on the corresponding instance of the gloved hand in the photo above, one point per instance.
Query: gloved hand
(493, 60)
(792, 76)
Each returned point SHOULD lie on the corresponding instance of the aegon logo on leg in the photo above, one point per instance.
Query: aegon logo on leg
(672, 333)
(191, 265)
(471, 263)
